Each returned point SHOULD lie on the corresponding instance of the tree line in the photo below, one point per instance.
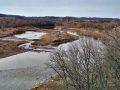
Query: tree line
(51, 22)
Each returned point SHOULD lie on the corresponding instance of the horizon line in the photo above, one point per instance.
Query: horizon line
(59, 16)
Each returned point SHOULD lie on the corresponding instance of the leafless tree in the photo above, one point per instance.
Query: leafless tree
(81, 66)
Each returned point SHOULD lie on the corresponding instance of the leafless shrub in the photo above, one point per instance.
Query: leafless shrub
(81, 66)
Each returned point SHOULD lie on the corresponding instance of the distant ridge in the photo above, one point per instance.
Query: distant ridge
(54, 17)
(7, 15)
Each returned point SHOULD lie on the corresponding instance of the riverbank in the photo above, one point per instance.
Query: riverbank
(9, 48)
(55, 83)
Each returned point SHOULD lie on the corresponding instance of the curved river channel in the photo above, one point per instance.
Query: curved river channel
(22, 71)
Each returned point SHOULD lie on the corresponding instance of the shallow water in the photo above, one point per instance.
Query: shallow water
(12, 38)
(27, 36)
(30, 35)
(20, 72)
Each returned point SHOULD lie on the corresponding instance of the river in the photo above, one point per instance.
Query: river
(22, 71)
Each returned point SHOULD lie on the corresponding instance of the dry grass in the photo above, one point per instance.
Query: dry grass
(8, 48)
(45, 30)
(6, 32)
(56, 35)
(55, 38)
(10, 31)
(88, 32)
(52, 84)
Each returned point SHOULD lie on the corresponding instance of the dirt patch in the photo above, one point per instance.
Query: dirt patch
(8, 48)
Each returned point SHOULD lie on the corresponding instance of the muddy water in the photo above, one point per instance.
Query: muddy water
(20, 72)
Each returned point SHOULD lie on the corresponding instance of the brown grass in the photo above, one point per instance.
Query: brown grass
(55, 38)
(8, 48)
(10, 31)
(95, 33)
(6, 32)
(52, 84)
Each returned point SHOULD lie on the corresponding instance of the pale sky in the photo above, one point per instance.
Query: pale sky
(77, 8)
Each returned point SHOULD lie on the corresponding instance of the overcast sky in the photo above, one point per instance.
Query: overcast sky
(77, 8)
